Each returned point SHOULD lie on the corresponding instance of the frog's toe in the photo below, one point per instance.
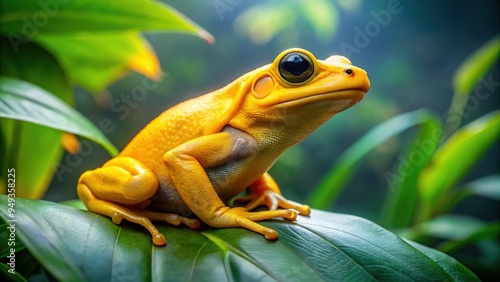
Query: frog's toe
(291, 215)
(270, 234)
(273, 201)
(191, 222)
(169, 218)
(159, 239)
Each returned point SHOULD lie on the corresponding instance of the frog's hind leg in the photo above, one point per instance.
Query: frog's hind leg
(121, 183)
(117, 213)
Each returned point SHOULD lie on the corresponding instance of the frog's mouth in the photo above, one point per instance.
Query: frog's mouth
(336, 100)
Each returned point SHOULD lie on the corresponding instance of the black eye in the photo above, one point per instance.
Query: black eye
(348, 72)
(296, 67)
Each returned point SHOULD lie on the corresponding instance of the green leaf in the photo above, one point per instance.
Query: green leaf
(32, 18)
(446, 227)
(4, 237)
(458, 271)
(36, 159)
(16, 277)
(95, 41)
(401, 200)
(344, 167)
(93, 61)
(488, 231)
(78, 245)
(33, 64)
(25, 266)
(75, 204)
(457, 231)
(468, 74)
(453, 160)
(488, 187)
(24, 101)
(476, 66)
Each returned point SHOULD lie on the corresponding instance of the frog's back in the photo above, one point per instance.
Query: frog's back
(179, 124)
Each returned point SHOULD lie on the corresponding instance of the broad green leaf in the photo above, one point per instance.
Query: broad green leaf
(32, 64)
(453, 160)
(95, 41)
(401, 200)
(344, 167)
(73, 245)
(32, 18)
(24, 101)
(93, 61)
(470, 73)
(459, 271)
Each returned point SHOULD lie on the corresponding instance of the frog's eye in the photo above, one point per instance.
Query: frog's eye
(296, 67)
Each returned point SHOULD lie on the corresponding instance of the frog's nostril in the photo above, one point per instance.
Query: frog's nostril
(348, 71)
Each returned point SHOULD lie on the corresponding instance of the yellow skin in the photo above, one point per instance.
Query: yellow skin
(196, 156)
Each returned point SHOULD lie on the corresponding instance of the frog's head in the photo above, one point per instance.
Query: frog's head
(299, 91)
(296, 79)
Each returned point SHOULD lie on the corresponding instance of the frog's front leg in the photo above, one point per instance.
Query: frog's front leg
(186, 165)
(119, 190)
(265, 191)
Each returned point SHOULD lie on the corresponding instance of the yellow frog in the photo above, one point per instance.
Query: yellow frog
(196, 156)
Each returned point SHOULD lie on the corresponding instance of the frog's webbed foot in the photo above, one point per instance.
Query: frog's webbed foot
(272, 200)
(265, 191)
(241, 217)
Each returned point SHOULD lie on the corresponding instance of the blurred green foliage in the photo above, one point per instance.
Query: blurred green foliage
(414, 53)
